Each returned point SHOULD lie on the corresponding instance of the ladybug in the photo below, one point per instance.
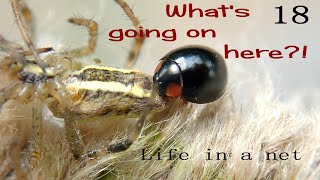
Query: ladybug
(197, 74)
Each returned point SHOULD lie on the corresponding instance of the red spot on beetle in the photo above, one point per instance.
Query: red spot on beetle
(174, 90)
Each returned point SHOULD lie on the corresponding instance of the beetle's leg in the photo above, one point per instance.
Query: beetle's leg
(92, 27)
(135, 50)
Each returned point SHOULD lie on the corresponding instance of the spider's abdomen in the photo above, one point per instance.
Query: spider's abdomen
(97, 90)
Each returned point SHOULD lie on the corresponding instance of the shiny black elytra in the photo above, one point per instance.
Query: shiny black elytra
(195, 73)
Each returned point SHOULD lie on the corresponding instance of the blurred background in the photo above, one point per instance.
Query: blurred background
(292, 78)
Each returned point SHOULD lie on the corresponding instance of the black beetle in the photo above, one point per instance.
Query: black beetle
(195, 73)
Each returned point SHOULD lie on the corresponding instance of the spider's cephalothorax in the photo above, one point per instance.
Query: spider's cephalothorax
(32, 73)
(195, 73)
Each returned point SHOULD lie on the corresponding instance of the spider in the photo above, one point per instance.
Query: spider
(88, 93)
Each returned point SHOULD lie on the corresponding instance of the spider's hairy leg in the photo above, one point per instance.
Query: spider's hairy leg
(37, 132)
(27, 16)
(132, 137)
(60, 94)
(8, 93)
(138, 42)
(20, 8)
(29, 23)
(15, 69)
(13, 56)
(56, 89)
(134, 134)
(92, 27)
(73, 133)
(24, 33)
(39, 50)
(137, 129)
(9, 69)
(26, 93)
